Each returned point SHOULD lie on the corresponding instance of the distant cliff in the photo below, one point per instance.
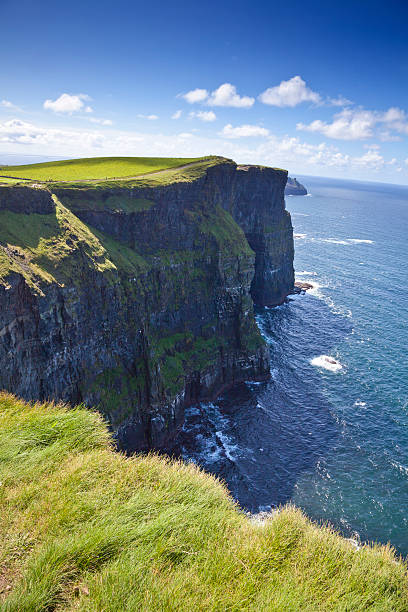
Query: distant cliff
(137, 296)
(293, 187)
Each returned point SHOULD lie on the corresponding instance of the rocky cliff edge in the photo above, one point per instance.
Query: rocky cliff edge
(137, 296)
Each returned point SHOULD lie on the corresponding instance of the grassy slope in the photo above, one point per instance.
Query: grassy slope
(94, 168)
(84, 528)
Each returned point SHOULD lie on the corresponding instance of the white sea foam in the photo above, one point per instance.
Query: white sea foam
(360, 240)
(299, 236)
(305, 273)
(360, 403)
(315, 290)
(297, 214)
(326, 362)
(335, 241)
(401, 468)
(347, 241)
(228, 447)
(308, 195)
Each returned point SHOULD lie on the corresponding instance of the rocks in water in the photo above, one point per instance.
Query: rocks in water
(293, 187)
(301, 287)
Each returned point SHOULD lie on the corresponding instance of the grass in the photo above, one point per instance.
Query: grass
(94, 168)
(84, 528)
(10, 181)
(49, 248)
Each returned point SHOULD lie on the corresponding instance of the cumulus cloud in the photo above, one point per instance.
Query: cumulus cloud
(225, 95)
(372, 159)
(347, 125)
(243, 131)
(359, 124)
(289, 93)
(176, 115)
(68, 103)
(196, 95)
(148, 117)
(204, 115)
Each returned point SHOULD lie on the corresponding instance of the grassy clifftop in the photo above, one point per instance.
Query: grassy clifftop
(109, 171)
(84, 528)
(94, 168)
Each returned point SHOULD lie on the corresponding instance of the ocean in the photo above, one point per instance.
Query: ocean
(329, 431)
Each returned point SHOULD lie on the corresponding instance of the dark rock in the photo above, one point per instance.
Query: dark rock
(26, 200)
(301, 287)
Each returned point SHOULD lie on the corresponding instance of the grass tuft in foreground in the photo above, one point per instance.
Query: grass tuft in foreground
(84, 528)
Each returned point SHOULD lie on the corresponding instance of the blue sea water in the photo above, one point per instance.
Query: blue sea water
(332, 441)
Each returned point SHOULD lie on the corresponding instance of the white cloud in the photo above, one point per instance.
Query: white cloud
(176, 115)
(68, 103)
(360, 124)
(100, 121)
(395, 119)
(243, 131)
(289, 93)
(148, 117)
(226, 95)
(339, 101)
(196, 95)
(204, 115)
(9, 105)
(49, 140)
(347, 125)
(324, 159)
(372, 159)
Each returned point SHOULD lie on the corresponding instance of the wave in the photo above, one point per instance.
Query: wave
(306, 273)
(326, 362)
(401, 468)
(298, 214)
(299, 235)
(334, 241)
(347, 241)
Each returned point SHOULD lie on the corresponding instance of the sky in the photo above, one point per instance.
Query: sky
(316, 87)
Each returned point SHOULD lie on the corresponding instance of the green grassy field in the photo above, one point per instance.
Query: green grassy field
(10, 181)
(94, 168)
(85, 528)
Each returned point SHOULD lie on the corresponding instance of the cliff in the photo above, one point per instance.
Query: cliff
(84, 528)
(293, 187)
(136, 296)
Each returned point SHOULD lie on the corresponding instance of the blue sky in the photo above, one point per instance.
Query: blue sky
(317, 87)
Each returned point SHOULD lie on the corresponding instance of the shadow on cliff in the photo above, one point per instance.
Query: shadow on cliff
(260, 437)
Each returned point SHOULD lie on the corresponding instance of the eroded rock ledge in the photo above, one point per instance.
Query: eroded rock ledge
(138, 298)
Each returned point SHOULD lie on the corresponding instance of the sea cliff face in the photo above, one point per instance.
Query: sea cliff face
(138, 298)
(293, 187)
